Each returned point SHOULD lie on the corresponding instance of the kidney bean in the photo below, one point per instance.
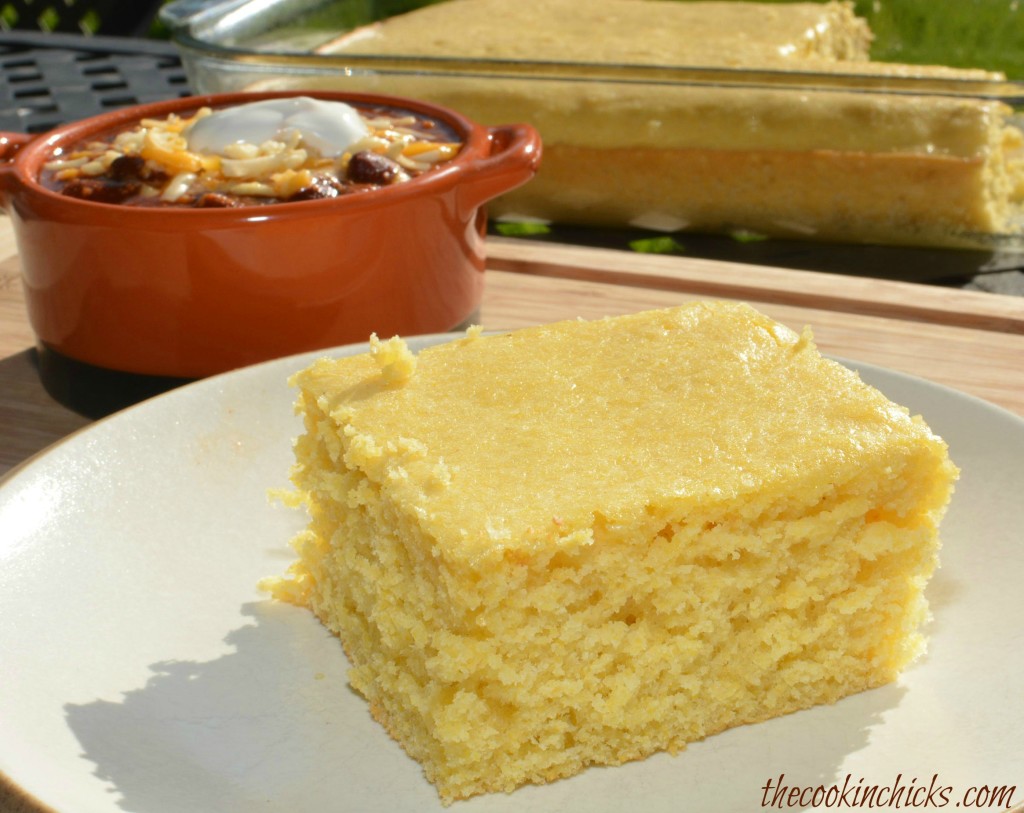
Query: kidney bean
(127, 167)
(320, 188)
(370, 167)
(215, 200)
(101, 191)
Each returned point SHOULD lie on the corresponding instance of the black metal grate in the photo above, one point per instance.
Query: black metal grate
(107, 17)
(49, 79)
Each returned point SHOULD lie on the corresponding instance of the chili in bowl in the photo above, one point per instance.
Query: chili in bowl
(263, 152)
(190, 237)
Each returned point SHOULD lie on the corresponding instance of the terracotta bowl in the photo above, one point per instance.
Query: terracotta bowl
(191, 292)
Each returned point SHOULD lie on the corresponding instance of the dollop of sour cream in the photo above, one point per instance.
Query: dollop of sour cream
(328, 127)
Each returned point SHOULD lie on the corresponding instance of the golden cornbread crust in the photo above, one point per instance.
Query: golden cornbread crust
(583, 543)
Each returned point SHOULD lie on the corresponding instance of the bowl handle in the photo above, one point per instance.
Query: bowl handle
(10, 144)
(513, 160)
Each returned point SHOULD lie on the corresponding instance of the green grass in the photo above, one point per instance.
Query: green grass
(961, 33)
(521, 229)
(663, 244)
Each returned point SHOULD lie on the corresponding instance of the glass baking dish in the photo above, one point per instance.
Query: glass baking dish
(901, 159)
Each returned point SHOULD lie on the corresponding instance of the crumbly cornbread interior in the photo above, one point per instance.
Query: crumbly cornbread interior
(583, 543)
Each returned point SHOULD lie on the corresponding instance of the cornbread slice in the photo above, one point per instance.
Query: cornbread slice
(583, 543)
(813, 140)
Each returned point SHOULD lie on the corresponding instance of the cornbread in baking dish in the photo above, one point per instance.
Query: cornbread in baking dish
(646, 32)
(583, 543)
(937, 160)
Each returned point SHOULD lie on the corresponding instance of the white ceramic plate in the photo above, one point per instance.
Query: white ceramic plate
(141, 670)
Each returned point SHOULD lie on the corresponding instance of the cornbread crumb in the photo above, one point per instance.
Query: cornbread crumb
(397, 363)
(583, 543)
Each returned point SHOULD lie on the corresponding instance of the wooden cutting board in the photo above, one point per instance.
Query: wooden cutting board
(970, 341)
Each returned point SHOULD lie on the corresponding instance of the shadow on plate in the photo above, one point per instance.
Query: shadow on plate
(274, 726)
